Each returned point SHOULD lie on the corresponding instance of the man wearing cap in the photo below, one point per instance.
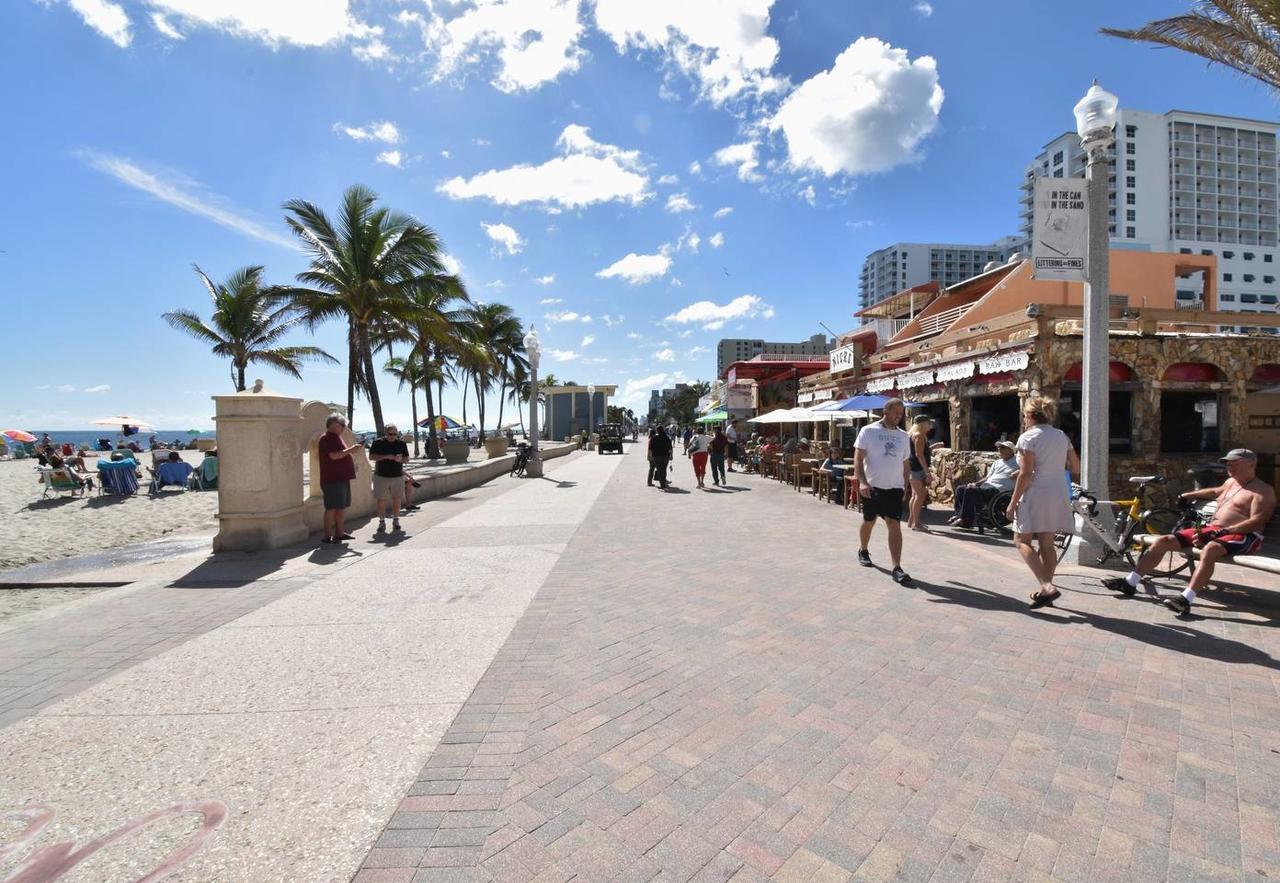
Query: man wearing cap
(1245, 505)
(1000, 477)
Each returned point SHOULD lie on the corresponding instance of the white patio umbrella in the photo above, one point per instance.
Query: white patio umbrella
(775, 416)
(122, 420)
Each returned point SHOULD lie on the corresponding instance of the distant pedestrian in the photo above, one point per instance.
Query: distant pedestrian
(389, 454)
(719, 449)
(659, 457)
(1041, 503)
(688, 434)
(920, 460)
(880, 462)
(337, 471)
(699, 449)
(731, 433)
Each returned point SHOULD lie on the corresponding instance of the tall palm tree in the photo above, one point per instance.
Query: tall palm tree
(1243, 35)
(248, 321)
(500, 329)
(414, 373)
(435, 320)
(361, 270)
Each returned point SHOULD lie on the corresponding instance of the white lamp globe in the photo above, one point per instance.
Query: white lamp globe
(1096, 112)
(532, 346)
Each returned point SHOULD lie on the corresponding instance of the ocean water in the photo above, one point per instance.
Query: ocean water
(90, 437)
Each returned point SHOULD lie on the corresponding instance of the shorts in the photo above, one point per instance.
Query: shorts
(337, 495)
(883, 503)
(1235, 543)
(919, 475)
(388, 487)
(733, 450)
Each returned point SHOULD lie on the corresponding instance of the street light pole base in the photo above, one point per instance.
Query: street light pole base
(533, 469)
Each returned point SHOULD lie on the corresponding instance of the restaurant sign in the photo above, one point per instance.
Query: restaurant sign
(844, 358)
(914, 379)
(1004, 362)
(1061, 234)
(958, 371)
(884, 384)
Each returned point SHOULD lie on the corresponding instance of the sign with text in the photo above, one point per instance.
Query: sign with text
(1060, 238)
(844, 359)
(1004, 363)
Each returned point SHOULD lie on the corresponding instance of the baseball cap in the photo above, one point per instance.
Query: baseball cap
(1006, 444)
(1241, 454)
(923, 418)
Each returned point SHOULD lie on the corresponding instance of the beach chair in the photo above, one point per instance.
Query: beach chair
(59, 481)
(163, 476)
(118, 479)
(4, 451)
(205, 476)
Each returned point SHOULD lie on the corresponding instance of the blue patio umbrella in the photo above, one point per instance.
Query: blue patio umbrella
(871, 403)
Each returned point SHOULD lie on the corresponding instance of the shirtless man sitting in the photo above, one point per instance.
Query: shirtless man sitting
(1245, 505)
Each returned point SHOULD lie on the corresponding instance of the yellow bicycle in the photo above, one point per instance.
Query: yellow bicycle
(1131, 521)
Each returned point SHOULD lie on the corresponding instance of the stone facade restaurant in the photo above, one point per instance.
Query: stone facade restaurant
(1183, 390)
(773, 380)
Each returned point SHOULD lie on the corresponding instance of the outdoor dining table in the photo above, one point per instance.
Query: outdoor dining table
(850, 483)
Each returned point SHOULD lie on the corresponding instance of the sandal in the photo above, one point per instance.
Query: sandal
(1038, 600)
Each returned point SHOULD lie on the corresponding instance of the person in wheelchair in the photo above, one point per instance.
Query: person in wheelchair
(1000, 478)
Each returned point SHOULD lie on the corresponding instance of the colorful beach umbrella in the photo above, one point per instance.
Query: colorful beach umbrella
(18, 435)
(443, 423)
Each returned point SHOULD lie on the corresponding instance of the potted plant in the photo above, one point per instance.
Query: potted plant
(496, 445)
(456, 450)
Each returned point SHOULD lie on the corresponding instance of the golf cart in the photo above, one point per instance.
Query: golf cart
(609, 438)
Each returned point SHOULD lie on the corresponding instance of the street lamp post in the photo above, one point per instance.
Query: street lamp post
(1095, 123)
(533, 349)
(591, 409)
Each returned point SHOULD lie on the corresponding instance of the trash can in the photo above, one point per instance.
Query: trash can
(1207, 475)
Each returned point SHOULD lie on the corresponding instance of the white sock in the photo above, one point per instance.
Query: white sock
(1133, 578)
(1190, 595)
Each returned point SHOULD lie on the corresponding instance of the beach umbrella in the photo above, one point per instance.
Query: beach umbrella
(443, 423)
(18, 435)
(193, 432)
(122, 420)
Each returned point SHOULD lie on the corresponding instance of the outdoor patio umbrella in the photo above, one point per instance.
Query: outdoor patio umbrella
(871, 403)
(18, 435)
(123, 420)
(713, 417)
(443, 423)
(772, 417)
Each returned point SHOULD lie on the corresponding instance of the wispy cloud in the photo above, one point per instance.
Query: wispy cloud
(184, 193)
(391, 158)
(102, 387)
(107, 18)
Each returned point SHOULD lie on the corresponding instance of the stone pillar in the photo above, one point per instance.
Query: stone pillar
(259, 472)
(1234, 413)
(957, 406)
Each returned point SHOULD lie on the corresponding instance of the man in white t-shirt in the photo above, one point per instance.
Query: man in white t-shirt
(880, 463)
(731, 433)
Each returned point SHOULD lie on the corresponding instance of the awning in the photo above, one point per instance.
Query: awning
(713, 417)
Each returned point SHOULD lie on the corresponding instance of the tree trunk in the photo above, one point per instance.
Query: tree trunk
(477, 379)
(502, 397)
(238, 379)
(375, 403)
(466, 390)
(352, 356)
(413, 405)
(433, 447)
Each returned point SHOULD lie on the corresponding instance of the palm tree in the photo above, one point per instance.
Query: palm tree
(414, 372)
(361, 270)
(1243, 35)
(499, 328)
(248, 320)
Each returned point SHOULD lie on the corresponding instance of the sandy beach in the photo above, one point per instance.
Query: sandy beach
(34, 530)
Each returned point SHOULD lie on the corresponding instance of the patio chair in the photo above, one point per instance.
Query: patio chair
(59, 480)
(119, 479)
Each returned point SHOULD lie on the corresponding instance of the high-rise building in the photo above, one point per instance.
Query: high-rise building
(1194, 183)
(905, 264)
(738, 349)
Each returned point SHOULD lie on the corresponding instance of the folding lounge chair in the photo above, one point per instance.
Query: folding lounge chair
(59, 481)
(162, 477)
(119, 480)
(205, 476)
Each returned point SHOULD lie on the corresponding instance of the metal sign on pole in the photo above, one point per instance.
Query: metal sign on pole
(1060, 238)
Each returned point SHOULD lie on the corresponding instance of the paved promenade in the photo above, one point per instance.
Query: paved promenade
(583, 678)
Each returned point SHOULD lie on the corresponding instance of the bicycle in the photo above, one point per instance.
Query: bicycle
(1131, 521)
(523, 450)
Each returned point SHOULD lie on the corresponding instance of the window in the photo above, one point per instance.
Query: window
(1248, 277)
(1130, 131)
(1227, 298)
(1269, 280)
(1188, 422)
(1111, 230)
(1057, 158)
(1131, 199)
(1057, 173)
(1130, 214)
(1130, 181)
(1248, 298)
(1207, 252)
(1268, 299)
(1228, 254)
(1130, 233)
(1266, 258)
(1226, 277)
(1184, 251)
(1130, 149)
(1248, 255)
(1130, 165)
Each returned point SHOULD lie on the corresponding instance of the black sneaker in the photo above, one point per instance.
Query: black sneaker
(395, 524)
(382, 527)
(1178, 604)
(1119, 584)
(864, 558)
(900, 577)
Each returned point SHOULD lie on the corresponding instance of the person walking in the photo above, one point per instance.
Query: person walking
(920, 460)
(659, 457)
(731, 435)
(337, 471)
(698, 449)
(1041, 503)
(389, 454)
(880, 463)
(688, 434)
(719, 449)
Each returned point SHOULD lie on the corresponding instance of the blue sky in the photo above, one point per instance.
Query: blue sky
(639, 179)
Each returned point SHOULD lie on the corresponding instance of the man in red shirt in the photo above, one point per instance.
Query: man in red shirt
(337, 471)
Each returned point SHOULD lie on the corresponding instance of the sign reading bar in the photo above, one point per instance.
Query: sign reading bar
(1004, 362)
(844, 358)
(1061, 234)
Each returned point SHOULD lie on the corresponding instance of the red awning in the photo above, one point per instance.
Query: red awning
(775, 369)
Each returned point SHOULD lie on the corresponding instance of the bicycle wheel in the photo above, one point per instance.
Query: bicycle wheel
(1062, 542)
(1156, 522)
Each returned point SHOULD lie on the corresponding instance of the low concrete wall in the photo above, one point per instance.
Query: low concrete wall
(442, 482)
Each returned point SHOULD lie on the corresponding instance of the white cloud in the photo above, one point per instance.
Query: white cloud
(809, 195)
(723, 45)
(547, 301)
(689, 241)
(696, 351)
(695, 168)
(867, 114)
(637, 268)
(107, 18)
(612, 321)
(534, 40)
(634, 393)
(102, 387)
(712, 316)
(589, 172)
(723, 212)
(716, 240)
(66, 387)
(161, 24)
(452, 265)
(567, 316)
(587, 341)
(386, 131)
(684, 334)
(391, 158)
(744, 156)
(313, 23)
(564, 355)
(925, 9)
(632, 335)
(374, 50)
(547, 280)
(666, 355)
(446, 154)
(504, 236)
(186, 194)
(594, 360)
(679, 202)
(496, 285)
(668, 180)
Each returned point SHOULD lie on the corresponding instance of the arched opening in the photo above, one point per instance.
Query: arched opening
(1265, 375)
(1188, 409)
(1192, 372)
(1123, 384)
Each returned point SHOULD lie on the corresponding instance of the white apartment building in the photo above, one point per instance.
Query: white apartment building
(1186, 182)
(736, 349)
(904, 264)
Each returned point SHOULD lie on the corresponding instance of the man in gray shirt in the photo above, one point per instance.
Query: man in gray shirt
(1001, 476)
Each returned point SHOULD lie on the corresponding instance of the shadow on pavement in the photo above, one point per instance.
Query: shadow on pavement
(1171, 637)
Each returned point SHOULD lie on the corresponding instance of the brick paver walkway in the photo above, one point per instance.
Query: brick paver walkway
(707, 688)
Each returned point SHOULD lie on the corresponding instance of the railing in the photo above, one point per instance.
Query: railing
(940, 322)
